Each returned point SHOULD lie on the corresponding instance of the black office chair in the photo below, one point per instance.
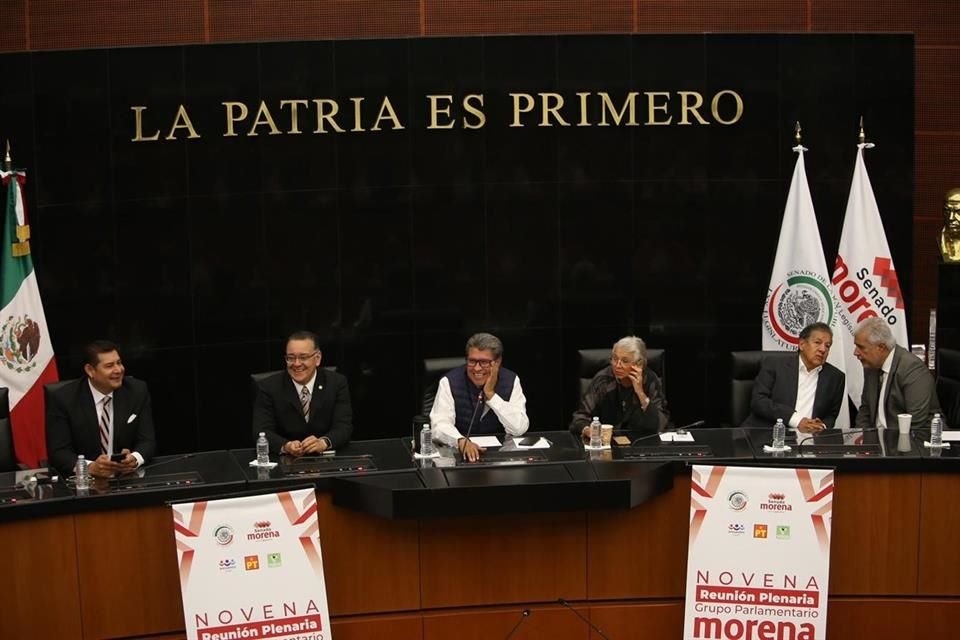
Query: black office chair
(433, 370)
(744, 367)
(591, 361)
(8, 458)
(948, 385)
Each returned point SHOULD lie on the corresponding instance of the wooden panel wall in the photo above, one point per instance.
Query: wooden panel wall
(32, 25)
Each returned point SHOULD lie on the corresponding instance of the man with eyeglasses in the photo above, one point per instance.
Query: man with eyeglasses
(483, 393)
(625, 394)
(304, 410)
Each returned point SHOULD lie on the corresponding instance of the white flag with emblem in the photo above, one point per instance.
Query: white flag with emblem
(799, 293)
(864, 280)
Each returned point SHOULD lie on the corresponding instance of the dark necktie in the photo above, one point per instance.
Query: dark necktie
(305, 403)
(105, 426)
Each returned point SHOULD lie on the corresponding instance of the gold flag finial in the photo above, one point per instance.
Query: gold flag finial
(861, 136)
(796, 132)
(7, 161)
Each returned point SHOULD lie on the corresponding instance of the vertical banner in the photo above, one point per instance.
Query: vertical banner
(759, 554)
(251, 568)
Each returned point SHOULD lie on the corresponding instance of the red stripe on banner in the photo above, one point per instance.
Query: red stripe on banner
(306, 514)
(185, 563)
(27, 420)
(286, 501)
(698, 489)
(819, 496)
(196, 516)
(182, 530)
(310, 550)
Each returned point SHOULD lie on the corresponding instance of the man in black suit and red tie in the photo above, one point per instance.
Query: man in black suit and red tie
(102, 415)
(807, 392)
(304, 410)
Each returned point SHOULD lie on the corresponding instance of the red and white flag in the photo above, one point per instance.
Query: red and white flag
(26, 353)
(864, 279)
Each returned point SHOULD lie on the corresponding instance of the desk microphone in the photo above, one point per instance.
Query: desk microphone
(681, 430)
(470, 426)
(585, 620)
(154, 465)
(831, 432)
(523, 616)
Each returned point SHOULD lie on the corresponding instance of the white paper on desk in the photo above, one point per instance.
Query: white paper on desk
(951, 436)
(485, 441)
(542, 443)
(673, 436)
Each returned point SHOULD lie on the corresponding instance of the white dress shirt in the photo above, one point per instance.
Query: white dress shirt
(806, 393)
(98, 399)
(511, 413)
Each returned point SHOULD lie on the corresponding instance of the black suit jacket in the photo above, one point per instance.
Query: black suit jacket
(277, 411)
(911, 389)
(73, 429)
(775, 393)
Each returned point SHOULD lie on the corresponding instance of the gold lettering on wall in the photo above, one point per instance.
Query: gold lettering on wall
(446, 111)
(387, 113)
(138, 126)
(629, 106)
(473, 104)
(715, 106)
(686, 108)
(236, 112)
(653, 106)
(325, 116)
(551, 105)
(182, 121)
(517, 109)
(294, 106)
(264, 118)
(436, 110)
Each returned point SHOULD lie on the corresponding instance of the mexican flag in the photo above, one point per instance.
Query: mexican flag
(26, 354)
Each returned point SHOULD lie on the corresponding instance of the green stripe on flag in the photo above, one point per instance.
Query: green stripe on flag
(13, 271)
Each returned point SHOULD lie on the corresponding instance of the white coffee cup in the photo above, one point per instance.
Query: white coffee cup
(903, 421)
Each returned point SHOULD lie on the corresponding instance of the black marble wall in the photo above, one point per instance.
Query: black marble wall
(200, 255)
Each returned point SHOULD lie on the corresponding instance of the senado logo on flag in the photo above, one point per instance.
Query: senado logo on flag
(864, 279)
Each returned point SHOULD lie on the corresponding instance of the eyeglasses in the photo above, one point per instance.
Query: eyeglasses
(483, 364)
(292, 358)
(621, 362)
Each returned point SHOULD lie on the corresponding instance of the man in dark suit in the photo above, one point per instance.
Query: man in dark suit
(896, 375)
(101, 415)
(304, 410)
(807, 392)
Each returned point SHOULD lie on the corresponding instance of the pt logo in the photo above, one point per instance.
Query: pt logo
(801, 299)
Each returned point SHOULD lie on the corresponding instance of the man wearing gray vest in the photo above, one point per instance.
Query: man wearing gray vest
(482, 394)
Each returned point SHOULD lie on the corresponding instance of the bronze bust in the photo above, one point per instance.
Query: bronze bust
(950, 235)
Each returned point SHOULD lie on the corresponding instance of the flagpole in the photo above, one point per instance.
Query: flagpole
(861, 137)
(796, 133)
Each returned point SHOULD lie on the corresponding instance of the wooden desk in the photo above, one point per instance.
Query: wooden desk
(472, 577)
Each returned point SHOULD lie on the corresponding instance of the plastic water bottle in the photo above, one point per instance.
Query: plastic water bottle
(81, 477)
(426, 440)
(936, 431)
(779, 434)
(263, 450)
(596, 441)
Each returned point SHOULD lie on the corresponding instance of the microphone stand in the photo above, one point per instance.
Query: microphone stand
(466, 438)
(523, 616)
(585, 620)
